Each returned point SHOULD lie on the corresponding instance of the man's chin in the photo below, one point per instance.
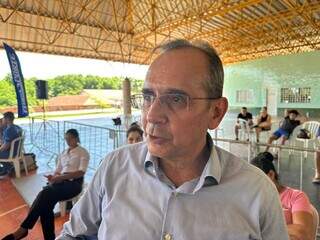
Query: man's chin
(157, 150)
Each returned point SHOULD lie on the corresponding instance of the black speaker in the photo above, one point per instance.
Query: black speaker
(42, 89)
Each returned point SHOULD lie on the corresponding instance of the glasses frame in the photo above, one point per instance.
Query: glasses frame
(141, 96)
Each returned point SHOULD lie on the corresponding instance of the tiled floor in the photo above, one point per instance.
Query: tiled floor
(13, 210)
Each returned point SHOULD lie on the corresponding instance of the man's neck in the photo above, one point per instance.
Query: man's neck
(181, 170)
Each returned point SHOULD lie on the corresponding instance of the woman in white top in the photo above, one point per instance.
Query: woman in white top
(65, 183)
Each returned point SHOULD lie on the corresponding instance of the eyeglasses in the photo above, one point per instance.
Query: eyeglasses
(171, 101)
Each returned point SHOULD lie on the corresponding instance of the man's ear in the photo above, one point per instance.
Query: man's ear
(272, 175)
(218, 109)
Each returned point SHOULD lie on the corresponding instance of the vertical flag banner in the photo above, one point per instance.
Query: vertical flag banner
(18, 81)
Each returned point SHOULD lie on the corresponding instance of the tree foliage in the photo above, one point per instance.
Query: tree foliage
(62, 85)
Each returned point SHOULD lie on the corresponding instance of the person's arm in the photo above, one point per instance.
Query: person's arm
(302, 226)
(57, 178)
(5, 147)
(302, 220)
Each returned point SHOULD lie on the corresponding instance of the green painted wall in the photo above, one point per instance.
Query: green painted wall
(296, 70)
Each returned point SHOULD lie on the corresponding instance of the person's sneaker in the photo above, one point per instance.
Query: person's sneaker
(316, 180)
(3, 174)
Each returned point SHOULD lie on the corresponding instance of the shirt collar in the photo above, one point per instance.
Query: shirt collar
(211, 174)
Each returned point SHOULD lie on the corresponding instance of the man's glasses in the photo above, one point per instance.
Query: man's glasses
(171, 101)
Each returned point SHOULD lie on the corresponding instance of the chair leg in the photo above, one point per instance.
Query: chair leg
(25, 166)
(16, 165)
(63, 208)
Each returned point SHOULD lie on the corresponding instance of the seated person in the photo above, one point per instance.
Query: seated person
(10, 133)
(65, 183)
(245, 115)
(134, 133)
(263, 122)
(288, 124)
(295, 203)
(316, 178)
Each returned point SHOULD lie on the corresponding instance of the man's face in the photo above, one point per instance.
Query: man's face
(176, 132)
(243, 111)
(292, 116)
(134, 137)
(5, 121)
(71, 140)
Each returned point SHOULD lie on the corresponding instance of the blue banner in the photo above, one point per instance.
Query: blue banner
(18, 81)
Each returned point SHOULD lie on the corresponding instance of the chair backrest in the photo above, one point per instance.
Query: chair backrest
(315, 216)
(312, 127)
(16, 147)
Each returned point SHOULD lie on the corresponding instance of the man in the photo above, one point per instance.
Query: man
(177, 185)
(244, 115)
(10, 132)
(263, 122)
(288, 124)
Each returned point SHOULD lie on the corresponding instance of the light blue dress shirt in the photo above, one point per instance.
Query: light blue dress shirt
(131, 198)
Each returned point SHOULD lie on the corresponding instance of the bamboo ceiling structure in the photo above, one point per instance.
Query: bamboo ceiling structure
(128, 30)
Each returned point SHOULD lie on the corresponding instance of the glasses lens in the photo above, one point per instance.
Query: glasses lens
(176, 102)
(137, 101)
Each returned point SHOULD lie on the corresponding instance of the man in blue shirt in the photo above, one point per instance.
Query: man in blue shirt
(177, 185)
(10, 132)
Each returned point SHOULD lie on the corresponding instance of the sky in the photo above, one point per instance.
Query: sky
(45, 66)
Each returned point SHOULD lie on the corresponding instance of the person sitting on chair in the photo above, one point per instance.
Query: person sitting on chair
(263, 122)
(245, 115)
(10, 133)
(134, 133)
(295, 203)
(288, 124)
(65, 183)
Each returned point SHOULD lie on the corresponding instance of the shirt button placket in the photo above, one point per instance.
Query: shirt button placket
(167, 236)
(167, 227)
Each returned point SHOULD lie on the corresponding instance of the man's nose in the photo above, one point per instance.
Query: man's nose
(156, 112)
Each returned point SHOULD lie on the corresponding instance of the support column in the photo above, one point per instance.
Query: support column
(126, 88)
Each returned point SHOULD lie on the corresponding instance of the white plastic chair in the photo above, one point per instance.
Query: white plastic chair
(18, 157)
(63, 204)
(245, 132)
(312, 127)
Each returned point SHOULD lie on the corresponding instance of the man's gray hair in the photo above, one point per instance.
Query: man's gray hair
(214, 84)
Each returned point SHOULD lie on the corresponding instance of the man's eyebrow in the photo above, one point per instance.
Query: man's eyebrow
(170, 90)
(174, 90)
(147, 91)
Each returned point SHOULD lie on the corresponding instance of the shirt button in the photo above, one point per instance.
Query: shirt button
(167, 237)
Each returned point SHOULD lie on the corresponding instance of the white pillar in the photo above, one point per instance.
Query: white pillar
(126, 90)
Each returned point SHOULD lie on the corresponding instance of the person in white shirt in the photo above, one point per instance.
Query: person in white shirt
(65, 183)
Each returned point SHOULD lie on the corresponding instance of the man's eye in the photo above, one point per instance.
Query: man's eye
(147, 98)
(177, 99)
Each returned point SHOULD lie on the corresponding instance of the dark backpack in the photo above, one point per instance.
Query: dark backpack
(304, 134)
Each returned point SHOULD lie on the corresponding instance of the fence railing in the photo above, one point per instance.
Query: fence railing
(48, 136)
(253, 147)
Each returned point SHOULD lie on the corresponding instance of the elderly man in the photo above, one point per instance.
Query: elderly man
(178, 185)
(10, 132)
